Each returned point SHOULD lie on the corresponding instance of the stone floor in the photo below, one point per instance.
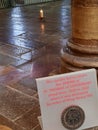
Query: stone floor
(29, 49)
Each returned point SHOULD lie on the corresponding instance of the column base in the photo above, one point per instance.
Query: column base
(84, 46)
(72, 60)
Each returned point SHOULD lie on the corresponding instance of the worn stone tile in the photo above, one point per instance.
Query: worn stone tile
(37, 128)
(28, 81)
(26, 85)
(19, 61)
(14, 104)
(29, 120)
(10, 60)
(10, 74)
(26, 67)
(13, 50)
(6, 60)
(24, 89)
(6, 69)
(44, 65)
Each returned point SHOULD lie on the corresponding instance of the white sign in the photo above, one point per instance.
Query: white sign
(58, 94)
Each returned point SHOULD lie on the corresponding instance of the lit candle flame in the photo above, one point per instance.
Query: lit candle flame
(41, 14)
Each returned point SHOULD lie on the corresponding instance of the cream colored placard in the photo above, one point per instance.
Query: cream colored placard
(40, 122)
(56, 93)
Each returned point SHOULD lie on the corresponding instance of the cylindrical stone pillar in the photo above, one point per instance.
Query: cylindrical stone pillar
(85, 25)
(81, 51)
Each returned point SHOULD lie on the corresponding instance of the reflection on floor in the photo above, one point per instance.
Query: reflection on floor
(29, 48)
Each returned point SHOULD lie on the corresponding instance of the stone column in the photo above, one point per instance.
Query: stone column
(81, 51)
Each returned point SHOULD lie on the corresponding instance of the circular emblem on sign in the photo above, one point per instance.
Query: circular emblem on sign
(72, 117)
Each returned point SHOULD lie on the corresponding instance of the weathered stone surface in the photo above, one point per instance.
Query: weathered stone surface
(26, 85)
(30, 119)
(14, 104)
